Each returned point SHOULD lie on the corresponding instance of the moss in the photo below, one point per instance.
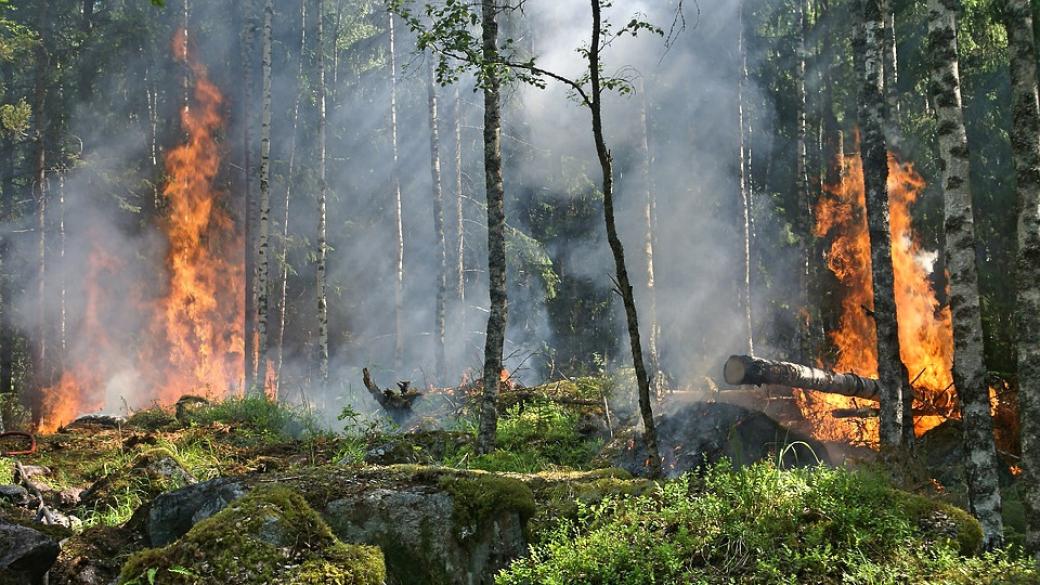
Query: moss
(479, 497)
(152, 419)
(6, 470)
(938, 519)
(269, 536)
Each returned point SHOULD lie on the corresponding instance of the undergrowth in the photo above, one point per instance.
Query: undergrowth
(765, 525)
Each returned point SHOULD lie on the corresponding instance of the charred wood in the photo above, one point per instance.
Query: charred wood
(743, 369)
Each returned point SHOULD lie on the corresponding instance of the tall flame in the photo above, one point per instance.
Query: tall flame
(193, 342)
(925, 327)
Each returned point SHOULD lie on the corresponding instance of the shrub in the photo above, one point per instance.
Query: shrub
(763, 525)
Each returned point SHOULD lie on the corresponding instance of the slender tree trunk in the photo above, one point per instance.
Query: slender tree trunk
(1025, 144)
(41, 368)
(398, 218)
(496, 222)
(86, 74)
(438, 226)
(323, 307)
(745, 187)
(616, 248)
(649, 206)
(969, 368)
(62, 307)
(891, 62)
(804, 212)
(460, 231)
(290, 177)
(263, 269)
(246, 108)
(891, 370)
(6, 333)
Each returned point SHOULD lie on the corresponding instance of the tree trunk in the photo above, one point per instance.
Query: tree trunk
(438, 227)
(891, 64)
(39, 188)
(649, 209)
(747, 299)
(86, 74)
(1025, 144)
(803, 215)
(496, 223)
(892, 372)
(289, 179)
(616, 248)
(262, 244)
(969, 368)
(460, 226)
(323, 306)
(398, 218)
(748, 370)
(246, 109)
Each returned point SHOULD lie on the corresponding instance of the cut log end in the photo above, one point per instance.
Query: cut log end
(735, 369)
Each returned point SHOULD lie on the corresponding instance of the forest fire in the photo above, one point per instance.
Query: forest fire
(925, 327)
(192, 340)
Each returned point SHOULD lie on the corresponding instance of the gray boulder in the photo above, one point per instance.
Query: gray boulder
(25, 554)
(171, 515)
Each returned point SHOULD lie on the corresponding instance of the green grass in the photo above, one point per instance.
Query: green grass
(764, 525)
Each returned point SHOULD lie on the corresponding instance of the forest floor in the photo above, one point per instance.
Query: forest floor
(166, 496)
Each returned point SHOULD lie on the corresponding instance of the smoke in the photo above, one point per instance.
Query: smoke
(691, 92)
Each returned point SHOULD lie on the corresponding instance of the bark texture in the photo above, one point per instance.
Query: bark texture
(460, 227)
(969, 369)
(616, 248)
(262, 240)
(398, 218)
(891, 370)
(496, 223)
(323, 187)
(745, 369)
(438, 226)
(290, 180)
(747, 299)
(1025, 145)
(251, 202)
(39, 192)
(649, 230)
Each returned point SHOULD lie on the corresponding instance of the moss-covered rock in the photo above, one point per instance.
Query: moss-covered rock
(268, 536)
(149, 474)
(152, 419)
(940, 521)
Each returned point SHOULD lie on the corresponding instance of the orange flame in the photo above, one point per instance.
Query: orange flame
(194, 342)
(925, 327)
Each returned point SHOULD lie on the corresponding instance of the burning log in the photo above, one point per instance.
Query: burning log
(743, 369)
(397, 404)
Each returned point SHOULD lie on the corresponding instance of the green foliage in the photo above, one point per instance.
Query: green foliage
(536, 437)
(258, 415)
(478, 498)
(764, 525)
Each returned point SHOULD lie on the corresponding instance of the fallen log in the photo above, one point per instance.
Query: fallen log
(743, 369)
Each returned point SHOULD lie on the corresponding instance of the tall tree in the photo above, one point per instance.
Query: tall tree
(438, 225)
(649, 231)
(39, 190)
(803, 219)
(289, 182)
(969, 369)
(496, 222)
(398, 217)
(323, 187)
(595, 103)
(1025, 145)
(460, 227)
(745, 180)
(262, 246)
(891, 371)
(248, 34)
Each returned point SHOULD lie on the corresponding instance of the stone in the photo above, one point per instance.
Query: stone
(171, 515)
(14, 494)
(25, 554)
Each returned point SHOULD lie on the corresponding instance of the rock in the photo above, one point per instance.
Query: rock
(172, 515)
(14, 494)
(96, 421)
(435, 526)
(71, 496)
(702, 433)
(25, 554)
(269, 536)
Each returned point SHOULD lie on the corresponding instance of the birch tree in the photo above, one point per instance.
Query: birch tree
(891, 371)
(262, 248)
(969, 369)
(39, 192)
(438, 226)
(395, 179)
(323, 247)
(1025, 145)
